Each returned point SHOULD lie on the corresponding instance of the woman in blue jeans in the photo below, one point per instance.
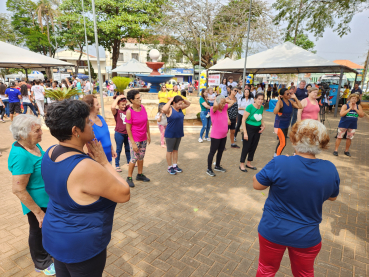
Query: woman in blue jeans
(205, 119)
(5, 99)
(26, 100)
(121, 135)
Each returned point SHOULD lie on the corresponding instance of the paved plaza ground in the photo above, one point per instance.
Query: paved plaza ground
(193, 225)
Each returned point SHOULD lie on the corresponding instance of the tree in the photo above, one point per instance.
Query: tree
(317, 15)
(72, 27)
(119, 20)
(222, 28)
(303, 41)
(7, 32)
(60, 94)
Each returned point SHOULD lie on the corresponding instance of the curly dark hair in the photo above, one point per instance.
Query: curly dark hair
(62, 116)
(131, 94)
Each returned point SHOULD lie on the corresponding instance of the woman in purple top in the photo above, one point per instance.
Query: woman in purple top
(121, 135)
(139, 135)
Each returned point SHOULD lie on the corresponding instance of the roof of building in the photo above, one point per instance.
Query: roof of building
(349, 63)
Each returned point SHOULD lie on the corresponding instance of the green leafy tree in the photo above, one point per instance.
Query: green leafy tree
(303, 41)
(92, 72)
(72, 27)
(7, 33)
(317, 15)
(122, 19)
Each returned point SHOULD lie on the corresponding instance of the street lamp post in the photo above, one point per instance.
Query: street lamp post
(198, 86)
(98, 61)
(246, 50)
(88, 56)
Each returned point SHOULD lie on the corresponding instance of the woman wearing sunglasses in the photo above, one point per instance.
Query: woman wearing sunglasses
(283, 111)
(121, 135)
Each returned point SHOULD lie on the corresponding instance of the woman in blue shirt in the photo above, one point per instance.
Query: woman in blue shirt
(283, 111)
(24, 163)
(101, 129)
(298, 187)
(83, 190)
(349, 116)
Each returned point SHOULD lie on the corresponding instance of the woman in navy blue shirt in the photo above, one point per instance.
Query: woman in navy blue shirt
(298, 187)
(349, 116)
(174, 131)
(101, 129)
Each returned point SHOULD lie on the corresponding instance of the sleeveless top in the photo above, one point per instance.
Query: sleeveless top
(283, 118)
(310, 111)
(72, 233)
(175, 125)
(233, 110)
(102, 134)
(349, 121)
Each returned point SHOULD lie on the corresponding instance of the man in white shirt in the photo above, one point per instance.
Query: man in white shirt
(87, 87)
(39, 95)
(231, 82)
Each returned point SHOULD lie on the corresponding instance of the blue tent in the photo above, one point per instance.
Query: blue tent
(82, 76)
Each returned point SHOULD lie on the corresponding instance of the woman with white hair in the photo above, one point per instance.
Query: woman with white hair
(25, 165)
(220, 121)
(298, 187)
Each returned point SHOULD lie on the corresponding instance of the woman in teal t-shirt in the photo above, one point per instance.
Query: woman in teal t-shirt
(204, 116)
(24, 163)
(253, 126)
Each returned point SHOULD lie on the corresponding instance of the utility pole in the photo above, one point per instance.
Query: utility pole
(200, 51)
(98, 61)
(366, 65)
(247, 49)
(88, 56)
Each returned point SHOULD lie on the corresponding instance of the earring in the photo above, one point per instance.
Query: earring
(77, 135)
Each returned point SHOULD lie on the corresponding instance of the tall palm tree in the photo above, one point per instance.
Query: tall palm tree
(46, 13)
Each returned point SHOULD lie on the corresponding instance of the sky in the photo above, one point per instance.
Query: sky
(353, 47)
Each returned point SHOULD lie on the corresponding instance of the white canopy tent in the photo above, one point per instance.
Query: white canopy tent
(286, 58)
(16, 57)
(132, 67)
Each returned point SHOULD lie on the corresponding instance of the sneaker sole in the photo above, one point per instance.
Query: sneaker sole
(210, 174)
(219, 170)
(172, 173)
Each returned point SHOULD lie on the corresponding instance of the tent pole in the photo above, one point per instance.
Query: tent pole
(338, 93)
(88, 56)
(246, 50)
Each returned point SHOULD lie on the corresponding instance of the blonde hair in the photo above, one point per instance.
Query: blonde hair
(312, 89)
(309, 136)
(354, 95)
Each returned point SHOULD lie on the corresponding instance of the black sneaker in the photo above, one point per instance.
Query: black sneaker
(210, 173)
(347, 154)
(141, 177)
(171, 171)
(335, 153)
(234, 146)
(177, 169)
(219, 168)
(130, 182)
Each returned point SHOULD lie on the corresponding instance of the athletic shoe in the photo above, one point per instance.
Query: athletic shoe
(234, 146)
(171, 171)
(141, 177)
(130, 182)
(208, 115)
(177, 169)
(200, 140)
(335, 153)
(219, 168)
(50, 271)
(210, 173)
(235, 139)
(208, 139)
(347, 154)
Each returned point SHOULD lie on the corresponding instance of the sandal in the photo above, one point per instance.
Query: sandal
(251, 167)
(118, 169)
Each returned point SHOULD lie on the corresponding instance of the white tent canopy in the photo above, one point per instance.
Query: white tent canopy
(282, 59)
(133, 66)
(16, 57)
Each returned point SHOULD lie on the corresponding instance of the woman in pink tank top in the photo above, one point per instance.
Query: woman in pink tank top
(310, 106)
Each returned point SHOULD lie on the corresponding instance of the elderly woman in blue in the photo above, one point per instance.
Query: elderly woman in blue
(101, 129)
(25, 165)
(298, 187)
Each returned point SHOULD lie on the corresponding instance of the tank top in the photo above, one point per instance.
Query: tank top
(282, 120)
(102, 134)
(175, 125)
(310, 111)
(72, 233)
(349, 121)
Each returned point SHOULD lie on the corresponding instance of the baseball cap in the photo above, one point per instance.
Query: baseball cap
(12, 84)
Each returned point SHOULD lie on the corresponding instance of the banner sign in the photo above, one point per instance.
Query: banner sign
(214, 80)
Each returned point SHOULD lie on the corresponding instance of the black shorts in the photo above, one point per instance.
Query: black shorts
(233, 124)
(14, 107)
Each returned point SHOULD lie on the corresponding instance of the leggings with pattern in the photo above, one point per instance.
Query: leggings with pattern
(140, 154)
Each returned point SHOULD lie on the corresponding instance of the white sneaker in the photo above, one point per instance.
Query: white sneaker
(235, 139)
(207, 116)
(200, 140)
(208, 139)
